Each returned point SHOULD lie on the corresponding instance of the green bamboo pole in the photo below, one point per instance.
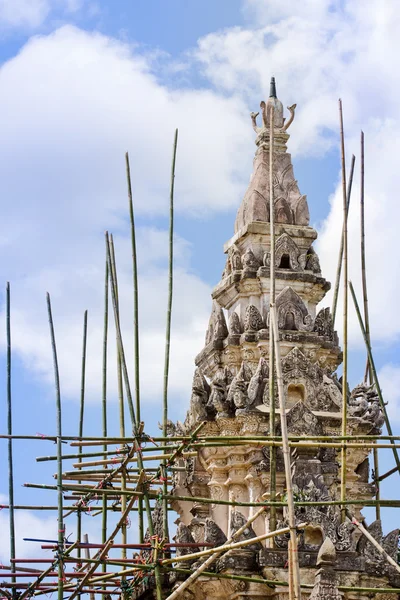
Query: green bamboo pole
(10, 441)
(61, 529)
(271, 382)
(343, 456)
(168, 326)
(340, 258)
(81, 414)
(135, 315)
(120, 390)
(375, 375)
(104, 396)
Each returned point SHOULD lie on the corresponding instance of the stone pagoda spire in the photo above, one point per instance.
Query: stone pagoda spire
(231, 393)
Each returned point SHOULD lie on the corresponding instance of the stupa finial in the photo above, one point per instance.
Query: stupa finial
(272, 88)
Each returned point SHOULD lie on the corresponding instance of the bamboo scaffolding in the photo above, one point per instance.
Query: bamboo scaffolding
(374, 374)
(216, 553)
(9, 432)
(61, 529)
(81, 414)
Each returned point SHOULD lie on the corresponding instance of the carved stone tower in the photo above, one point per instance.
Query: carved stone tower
(231, 393)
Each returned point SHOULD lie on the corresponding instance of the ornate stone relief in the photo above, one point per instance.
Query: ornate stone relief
(323, 325)
(292, 312)
(364, 403)
(253, 320)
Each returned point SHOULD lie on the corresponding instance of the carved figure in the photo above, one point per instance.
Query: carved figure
(237, 521)
(237, 394)
(235, 259)
(235, 327)
(183, 536)
(257, 383)
(218, 397)
(323, 325)
(364, 403)
(199, 398)
(213, 534)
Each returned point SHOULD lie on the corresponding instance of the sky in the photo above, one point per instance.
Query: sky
(82, 82)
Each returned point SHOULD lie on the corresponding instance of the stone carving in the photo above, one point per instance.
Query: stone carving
(237, 394)
(249, 261)
(235, 327)
(235, 259)
(252, 319)
(199, 399)
(237, 521)
(312, 263)
(325, 587)
(323, 325)
(301, 421)
(286, 247)
(257, 383)
(218, 397)
(213, 534)
(376, 564)
(217, 329)
(311, 488)
(364, 403)
(289, 206)
(183, 536)
(292, 312)
(331, 395)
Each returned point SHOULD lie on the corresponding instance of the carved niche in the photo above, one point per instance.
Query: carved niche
(286, 248)
(292, 312)
(306, 381)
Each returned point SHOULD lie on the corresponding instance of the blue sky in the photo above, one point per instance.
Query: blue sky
(84, 81)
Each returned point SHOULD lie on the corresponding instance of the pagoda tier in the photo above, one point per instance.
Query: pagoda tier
(231, 393)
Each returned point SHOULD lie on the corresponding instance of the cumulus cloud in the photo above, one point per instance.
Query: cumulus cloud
(73, 103)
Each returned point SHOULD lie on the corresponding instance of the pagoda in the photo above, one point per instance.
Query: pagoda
(231, 393)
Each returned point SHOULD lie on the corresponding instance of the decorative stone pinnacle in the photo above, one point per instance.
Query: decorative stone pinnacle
(272, 88)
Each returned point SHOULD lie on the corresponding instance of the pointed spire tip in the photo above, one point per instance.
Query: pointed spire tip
(272, 88)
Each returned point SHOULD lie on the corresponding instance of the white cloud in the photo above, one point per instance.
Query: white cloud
(73, 102)
(389, 379)
(23, 13)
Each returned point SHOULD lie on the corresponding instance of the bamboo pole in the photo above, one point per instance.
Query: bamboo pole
(340, 258)
(229, 546)
(366, 312)
(104, 395)
(375, 375)
(9, 432)
(271, 381)
(373, 541)
(120, 390)
(81, 414)
(286, 457)
(87, 556)
(168, 326)
(61, 530)
(135, 315)
(343, 456)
